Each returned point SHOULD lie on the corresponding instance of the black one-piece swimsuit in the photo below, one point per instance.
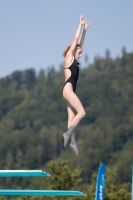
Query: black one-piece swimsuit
(74, 68)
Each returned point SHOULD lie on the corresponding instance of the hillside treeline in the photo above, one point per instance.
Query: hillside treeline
(33, 118)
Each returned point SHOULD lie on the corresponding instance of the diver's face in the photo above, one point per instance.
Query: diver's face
(78, 53)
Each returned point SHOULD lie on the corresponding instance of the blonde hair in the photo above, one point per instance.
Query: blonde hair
(68, 47)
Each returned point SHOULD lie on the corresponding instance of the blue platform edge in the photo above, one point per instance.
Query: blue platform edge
(12, 192)
(18, 173)
(132, 184)
(100, 184)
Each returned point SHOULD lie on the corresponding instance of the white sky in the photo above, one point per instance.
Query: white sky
(34, 33)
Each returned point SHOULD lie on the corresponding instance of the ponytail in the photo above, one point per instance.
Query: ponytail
(68, 47)
(66, 50)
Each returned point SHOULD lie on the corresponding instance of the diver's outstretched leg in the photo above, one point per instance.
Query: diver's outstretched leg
(72, 127)
(67, 136)
(79, 112)
(73, 143)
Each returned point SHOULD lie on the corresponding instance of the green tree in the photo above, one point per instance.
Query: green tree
(63, 178)
(30, 78)
(3, 198)
(113, 191)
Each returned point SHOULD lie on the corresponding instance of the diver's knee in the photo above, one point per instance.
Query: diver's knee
(82, 114)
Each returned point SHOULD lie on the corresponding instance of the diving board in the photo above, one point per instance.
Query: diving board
(22, 173)
(18, 173)
(12, 192)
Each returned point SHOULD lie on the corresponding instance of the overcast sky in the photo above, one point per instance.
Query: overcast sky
(34, 33)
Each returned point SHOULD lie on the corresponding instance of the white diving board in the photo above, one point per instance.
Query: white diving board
(18, 173)
(12, 192)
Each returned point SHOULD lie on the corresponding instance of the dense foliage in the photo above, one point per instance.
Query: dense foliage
(33, 117)
(63, 178)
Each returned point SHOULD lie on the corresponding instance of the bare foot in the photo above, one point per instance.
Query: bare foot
(66, 138)
(74, 147)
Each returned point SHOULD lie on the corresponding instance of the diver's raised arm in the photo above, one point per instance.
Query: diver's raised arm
(76, 37)
(82, 37)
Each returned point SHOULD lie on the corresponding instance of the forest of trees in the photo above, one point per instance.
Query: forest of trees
(33, 118)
